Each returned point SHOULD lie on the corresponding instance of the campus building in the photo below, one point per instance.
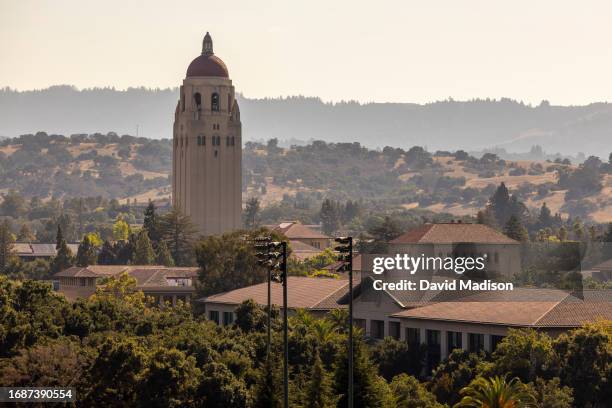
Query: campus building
(163, 284)
(459, 239)
(207, 152)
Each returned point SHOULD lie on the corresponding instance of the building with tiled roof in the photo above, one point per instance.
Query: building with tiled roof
(317, 295)
(602, 271)
(481, 320)
(29, 251)
(459, 239)
(164, 284)
(302, 251)
(307, 234)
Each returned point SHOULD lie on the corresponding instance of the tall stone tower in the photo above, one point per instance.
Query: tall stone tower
(207, 153)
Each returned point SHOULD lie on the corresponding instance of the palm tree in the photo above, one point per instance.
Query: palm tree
(496, 392)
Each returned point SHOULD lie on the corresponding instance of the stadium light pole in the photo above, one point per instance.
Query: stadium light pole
(262, 245)
(346, 257)
(274, 256)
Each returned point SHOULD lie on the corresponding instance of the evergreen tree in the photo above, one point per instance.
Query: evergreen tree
(151, 223)
(63, 258)
(6, 245)
(25, 234)
(499, 204)
(178, 232)
(367, 390)
(59, 237)
(330, 219)
(319, 393)
(545, 217)
(269, 388)
(251, 212)
(515, 230)
(86, 254)
(143, 254)
(107, 255)
(163, 255)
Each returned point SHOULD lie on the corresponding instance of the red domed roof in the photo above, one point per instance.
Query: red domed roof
(207, 65)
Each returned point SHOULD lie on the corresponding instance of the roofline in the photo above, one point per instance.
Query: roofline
(528, 325)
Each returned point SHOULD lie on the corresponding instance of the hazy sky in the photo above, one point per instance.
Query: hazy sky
(406, 51)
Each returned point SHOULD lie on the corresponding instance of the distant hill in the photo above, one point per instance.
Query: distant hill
(446, 125)
(110, 166)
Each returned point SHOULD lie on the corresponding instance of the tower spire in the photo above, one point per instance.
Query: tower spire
(207, 45)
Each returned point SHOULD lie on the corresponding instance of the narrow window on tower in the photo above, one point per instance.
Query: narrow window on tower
(214, 102)
(199, 140)
(203, 140)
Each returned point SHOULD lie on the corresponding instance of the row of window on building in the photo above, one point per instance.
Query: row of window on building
(89, 282)
(476, 341)
(201, 140)
(228, 317)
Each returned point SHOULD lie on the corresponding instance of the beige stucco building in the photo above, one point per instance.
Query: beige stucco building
(207, 153)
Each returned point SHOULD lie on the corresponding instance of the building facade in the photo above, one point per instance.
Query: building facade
(207, 152)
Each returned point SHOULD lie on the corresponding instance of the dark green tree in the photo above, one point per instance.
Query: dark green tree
(395, 357)
(251, 212)
(367, 386)
(107, 254)
(410, 393)
(514, 229)
(319, 392)
(143, 253)
(7, 239)
(269, 390)
(228, 262)
(151, 223)
(164, 257)
(330, 218)
(454, 373)
(178, 232)
(545, 219)
(63, 258)
(86, 254)
(220, 388)
(170, 380)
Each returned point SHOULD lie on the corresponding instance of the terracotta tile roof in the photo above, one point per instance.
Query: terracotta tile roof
(26, 249)
(303, 292)
(303, 251)
(522, 307)
(295, 230)
(451, 233)
(145, 275)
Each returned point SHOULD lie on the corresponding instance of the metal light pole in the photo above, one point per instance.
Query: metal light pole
(346, 256)
(285, 326)
(263, 245)
(274, 256)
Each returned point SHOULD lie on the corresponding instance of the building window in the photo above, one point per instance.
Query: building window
(214, 102)
(214, 316)
(495, 340)
(394, 330)
(476, 342)
(433, 337)
(199, 140)
(233, 140)
(454, 340)
(228, 318)
(197, 98)
(378, 329)
(216, 153)
(413, 335)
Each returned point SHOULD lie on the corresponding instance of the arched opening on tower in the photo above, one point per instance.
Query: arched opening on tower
(198, 101)
(214, 102)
